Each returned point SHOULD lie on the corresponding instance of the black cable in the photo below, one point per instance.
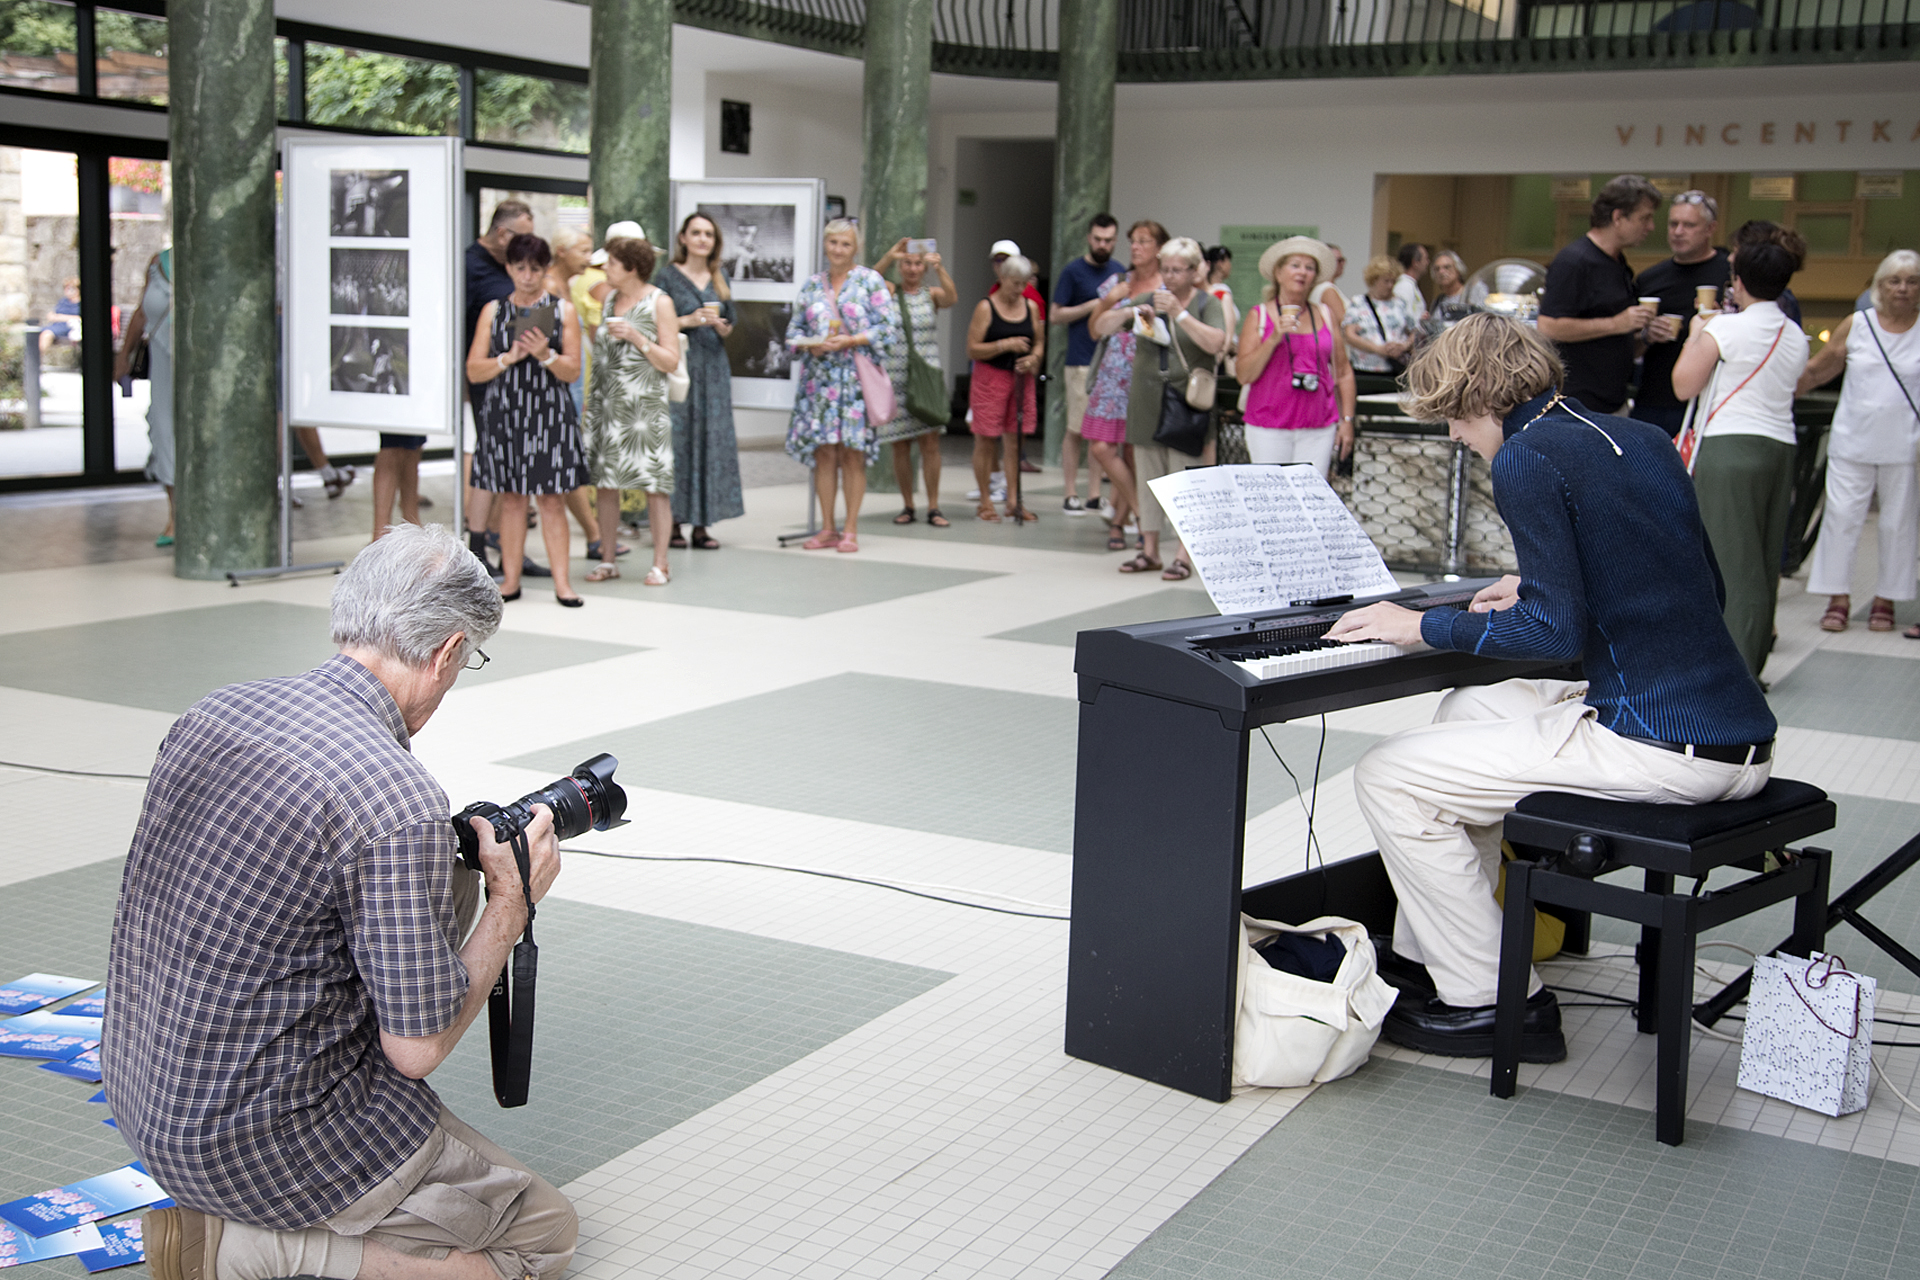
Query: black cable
(824, 875)
(1313, 838)
(71, 773)
(1597, 995)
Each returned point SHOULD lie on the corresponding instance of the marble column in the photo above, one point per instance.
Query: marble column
(220, 129)
(896, 108)
(631, 77)
(1082, 163)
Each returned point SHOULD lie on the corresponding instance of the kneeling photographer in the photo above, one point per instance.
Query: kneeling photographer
(288, 964)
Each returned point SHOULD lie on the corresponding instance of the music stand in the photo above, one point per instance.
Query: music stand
(1844, 909)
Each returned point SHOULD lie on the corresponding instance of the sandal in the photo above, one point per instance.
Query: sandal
(701, 540)
(937, 520)
(1116, 538)
(987, 513)
(602, 572)
(656, 577)
(848, 545)
(569, 602)
(906, 516)
(1142, 563)
(1020, 515)
(818, 542)
(676, 541)
(1835, 618)
(1880, 618)
(1178, 571)
(1912, 632)
(338, 482)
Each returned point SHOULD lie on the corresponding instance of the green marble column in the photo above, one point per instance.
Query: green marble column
(220, 125)
(1082, 163)
(896, 108)
(631, 74)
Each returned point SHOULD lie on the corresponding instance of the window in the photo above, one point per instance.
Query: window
(39, 46)
(40, 378)
(138, 216)
(381, 92)
(130, 56)
(530, 111)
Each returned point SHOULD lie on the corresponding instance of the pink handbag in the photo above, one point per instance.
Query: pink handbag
(876, 388)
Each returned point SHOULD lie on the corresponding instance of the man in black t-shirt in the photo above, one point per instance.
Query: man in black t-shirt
(1588, 307)
(1692, 221)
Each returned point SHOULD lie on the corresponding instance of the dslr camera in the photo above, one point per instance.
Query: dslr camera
(587, 798)
(1306, 382)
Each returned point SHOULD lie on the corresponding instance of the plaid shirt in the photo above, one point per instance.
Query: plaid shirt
(287, 897)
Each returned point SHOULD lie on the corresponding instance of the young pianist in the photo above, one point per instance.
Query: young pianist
(1615, 570)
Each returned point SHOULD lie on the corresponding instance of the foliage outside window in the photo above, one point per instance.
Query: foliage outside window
(280, 98)
(38, 40)
(530, 111)
(130, 56)
(381, 92)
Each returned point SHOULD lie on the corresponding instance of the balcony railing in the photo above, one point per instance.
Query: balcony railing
(1267, 39)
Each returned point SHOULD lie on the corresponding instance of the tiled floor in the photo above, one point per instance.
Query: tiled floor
(746, 1072)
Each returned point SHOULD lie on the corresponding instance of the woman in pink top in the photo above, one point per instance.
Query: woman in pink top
(1300, 386)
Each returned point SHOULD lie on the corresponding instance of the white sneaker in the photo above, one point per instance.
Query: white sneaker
(1074, 507)
(1106, 509)
(1132, 528)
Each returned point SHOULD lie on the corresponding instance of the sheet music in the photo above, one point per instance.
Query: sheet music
(1262, 537)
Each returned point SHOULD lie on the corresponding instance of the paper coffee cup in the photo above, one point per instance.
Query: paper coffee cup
(1651, 302)
(1706, 297)
(1289, 312)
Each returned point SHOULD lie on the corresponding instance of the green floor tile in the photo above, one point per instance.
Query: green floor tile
(1850, 693)
(1002, 769)
(1159, 604)
(644, 1023)
(169, 661)
(791, 583)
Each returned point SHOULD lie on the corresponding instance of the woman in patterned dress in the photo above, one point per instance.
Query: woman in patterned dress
(706, 457)
(529, 437)
(844, 309)
(1104, 427)
(918, 306)
(628, 429)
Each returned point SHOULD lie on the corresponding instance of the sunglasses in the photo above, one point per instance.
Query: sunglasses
(1701, 198)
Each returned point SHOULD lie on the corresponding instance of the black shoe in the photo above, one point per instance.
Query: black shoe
(532, 570)
(1409, 978)
(1433, 1026)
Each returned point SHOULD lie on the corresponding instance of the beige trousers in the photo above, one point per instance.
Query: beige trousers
(1076, 379)
(1436, 796)
(459, 1191)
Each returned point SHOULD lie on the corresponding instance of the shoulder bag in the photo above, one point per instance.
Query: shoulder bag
(1183, 426)
(1394, 367)
(926, 389)
(1871, 329)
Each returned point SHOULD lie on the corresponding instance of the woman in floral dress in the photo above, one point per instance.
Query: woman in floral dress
(1104, 427)
(919, 302)
(706, 472)
(842, 310)
(629, 432)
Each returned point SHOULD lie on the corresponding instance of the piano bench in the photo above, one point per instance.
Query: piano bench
(1563, 841)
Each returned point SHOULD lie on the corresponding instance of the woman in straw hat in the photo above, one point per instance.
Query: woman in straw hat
(1300, 386)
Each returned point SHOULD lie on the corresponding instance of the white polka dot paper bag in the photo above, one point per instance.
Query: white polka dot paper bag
(1809, 1037)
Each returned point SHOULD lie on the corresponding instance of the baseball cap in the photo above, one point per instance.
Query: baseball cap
(1004, 249)
(616, 231)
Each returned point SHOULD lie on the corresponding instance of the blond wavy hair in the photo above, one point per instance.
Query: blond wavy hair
(1901, 262)
(1486, 364)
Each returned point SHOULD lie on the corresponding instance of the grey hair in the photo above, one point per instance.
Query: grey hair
(844, 227)
(1901, 262)
(404, 595)
(1185, 248)
(1014, 269)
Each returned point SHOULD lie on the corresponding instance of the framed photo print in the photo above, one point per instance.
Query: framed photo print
(372, 283)
(769, 246)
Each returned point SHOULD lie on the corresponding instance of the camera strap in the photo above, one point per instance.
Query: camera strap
(510, 1006)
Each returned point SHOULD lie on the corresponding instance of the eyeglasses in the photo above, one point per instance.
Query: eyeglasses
(1701, 198)
(479, 653)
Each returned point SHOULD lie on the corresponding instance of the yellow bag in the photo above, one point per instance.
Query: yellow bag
(1549, 932)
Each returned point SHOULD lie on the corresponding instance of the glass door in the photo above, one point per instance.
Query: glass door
(139, 222)
(41, 384)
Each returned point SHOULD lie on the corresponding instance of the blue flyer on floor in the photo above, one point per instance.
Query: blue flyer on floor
(119, 1247)
(86, 1201)
(84, 1065)
(48, 1035)
(23, 995)
(17, 1247)
(93, 1006)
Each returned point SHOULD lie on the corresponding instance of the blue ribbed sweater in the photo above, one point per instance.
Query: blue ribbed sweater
(1615, 569)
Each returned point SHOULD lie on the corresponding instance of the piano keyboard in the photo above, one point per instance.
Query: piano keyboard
(1302, 656)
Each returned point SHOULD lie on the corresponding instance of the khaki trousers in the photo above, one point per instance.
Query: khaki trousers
(458, 1191)
(1436, 796)
(1076, 380)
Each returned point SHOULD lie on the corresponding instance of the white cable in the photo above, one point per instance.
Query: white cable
(1896, 1088)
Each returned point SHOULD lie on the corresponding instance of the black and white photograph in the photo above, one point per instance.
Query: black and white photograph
(369, 361)
(369, 202)
(369, 282)
(757, 347)
(756, 241)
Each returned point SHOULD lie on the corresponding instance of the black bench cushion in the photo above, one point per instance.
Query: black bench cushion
(1670, 823)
